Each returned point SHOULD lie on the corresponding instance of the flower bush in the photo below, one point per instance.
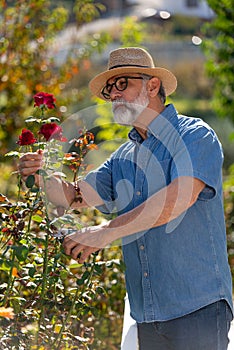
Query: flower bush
(46, 297)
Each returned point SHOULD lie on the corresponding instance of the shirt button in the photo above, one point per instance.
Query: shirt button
(145, 274)
(142, 247)
(138, 193)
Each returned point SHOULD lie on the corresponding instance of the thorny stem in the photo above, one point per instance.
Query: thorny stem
(19, 187)
(77, 295)
(43, 287)
(10, 280)
(45, 264)
(31, 213)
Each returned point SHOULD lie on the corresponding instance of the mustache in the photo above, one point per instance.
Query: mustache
(121, 102)
(117, 103)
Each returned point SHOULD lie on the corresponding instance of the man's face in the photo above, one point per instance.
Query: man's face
(129, 97)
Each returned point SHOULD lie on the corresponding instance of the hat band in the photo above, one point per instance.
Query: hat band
(129, 65)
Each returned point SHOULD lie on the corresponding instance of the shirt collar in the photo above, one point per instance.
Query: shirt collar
(158, 125)
(135, 136)
(167, 118)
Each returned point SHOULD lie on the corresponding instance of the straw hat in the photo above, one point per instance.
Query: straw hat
(132, 60)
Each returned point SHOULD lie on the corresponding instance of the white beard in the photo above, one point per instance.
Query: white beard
(125, 113)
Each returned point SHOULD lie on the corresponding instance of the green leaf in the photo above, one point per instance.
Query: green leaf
(31, 271)
(57, 165)
(33, 120)
(21, 252)
(41, 172)
(98, 269)
(85, 275)
(37, 218)
(12, 154)
(63, 275)
(17, 303)
(100, 290)
(39, 241)
(79, 282)
(5, 265)
(35, 189)
(122, 265)
(30, 181)
(75, 266)
(53, 120)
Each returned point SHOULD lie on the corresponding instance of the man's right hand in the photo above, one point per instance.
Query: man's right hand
(57, 191)
(29, 163)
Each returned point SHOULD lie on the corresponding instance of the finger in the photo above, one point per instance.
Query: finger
(31, 156)
(27, 162)
(60, 211)
(25, 166)
(26, 171)
(86, 253)
(69, 245)
(31, 162)
(28, 166)
(76, 251)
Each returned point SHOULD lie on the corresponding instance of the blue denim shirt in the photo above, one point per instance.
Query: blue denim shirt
(179, 267)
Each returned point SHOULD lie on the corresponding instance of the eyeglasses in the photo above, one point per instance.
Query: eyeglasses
(120, 83)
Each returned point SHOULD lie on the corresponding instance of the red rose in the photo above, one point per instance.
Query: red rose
(26, 138)
(43, 98)
(52, 131)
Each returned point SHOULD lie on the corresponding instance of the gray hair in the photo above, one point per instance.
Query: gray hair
(162, 93)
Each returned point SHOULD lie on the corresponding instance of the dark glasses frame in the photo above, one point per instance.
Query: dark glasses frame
(106, 91)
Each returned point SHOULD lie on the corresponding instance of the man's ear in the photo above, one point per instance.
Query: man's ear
(153, 86)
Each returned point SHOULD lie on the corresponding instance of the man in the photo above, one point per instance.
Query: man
(165, 184)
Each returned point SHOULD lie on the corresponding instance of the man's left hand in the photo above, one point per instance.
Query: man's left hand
(87, 241)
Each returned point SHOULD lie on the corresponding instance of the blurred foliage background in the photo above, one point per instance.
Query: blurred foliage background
(58, 46)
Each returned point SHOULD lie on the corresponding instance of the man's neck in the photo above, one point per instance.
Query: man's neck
(142, 132)
(145, 118)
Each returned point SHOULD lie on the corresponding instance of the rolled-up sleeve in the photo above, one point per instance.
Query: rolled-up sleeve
(199, 154)
(101, 181)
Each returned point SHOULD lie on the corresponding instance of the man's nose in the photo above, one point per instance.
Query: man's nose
(114, 94)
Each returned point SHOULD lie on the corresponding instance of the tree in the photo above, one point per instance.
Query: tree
(27, 30)
(219, 49)
(27, 59)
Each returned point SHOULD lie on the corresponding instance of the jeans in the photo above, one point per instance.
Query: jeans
(204, 329)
